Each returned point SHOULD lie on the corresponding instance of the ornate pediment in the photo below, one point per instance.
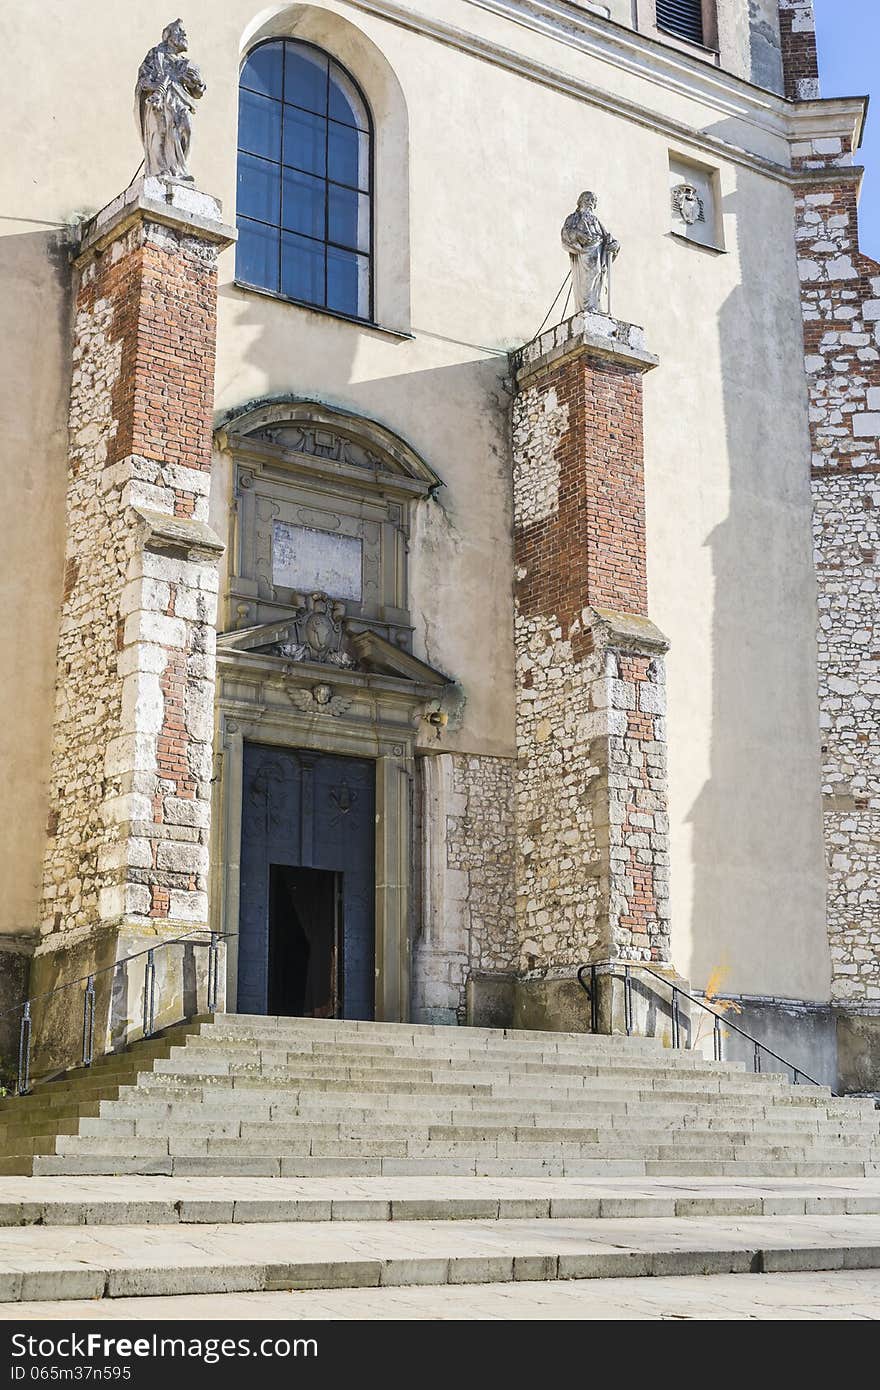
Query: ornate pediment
(319, 632)
(309, 430)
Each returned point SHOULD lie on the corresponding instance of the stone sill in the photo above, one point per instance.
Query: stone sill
(326, 313)
(700, 245)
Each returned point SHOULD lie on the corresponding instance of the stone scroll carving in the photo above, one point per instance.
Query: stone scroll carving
(165, 95)
(592, 250)
(318, 633)
(319, 443)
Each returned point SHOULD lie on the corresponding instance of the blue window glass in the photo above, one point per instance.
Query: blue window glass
(259, 125)
(258, 189)
(304, 179)
(257, 254)
(302, 268)
(305, 140)
(263, 70)
(347, 276)
(304, 204)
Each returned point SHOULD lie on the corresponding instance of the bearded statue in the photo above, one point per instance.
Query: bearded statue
(168, 87)
(592, 250)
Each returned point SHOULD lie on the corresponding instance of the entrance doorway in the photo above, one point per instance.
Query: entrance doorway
(306, 942)
(305, 955)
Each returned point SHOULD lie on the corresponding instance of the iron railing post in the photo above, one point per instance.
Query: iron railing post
(89, 1022)
(799, 1075)
(213, 966)
(149, 994)
(23, 1083)
(594, 1001)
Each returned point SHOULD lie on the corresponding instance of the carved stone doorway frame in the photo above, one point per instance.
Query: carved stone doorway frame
(379, 722)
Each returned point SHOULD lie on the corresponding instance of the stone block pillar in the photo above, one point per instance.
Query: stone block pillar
(127, 857)
(840, 299)
(592, 826)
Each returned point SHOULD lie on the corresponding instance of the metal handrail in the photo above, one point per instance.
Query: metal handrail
(608, 968)
(23, 1079)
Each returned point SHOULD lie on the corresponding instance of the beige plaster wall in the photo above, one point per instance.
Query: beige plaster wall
(495, 163)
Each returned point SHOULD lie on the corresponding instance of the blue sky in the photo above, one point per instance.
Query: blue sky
(849, 54)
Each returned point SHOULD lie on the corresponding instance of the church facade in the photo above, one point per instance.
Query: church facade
(422, 650)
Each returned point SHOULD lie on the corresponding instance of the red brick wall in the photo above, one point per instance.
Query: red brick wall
(800, 59)
(591, 551)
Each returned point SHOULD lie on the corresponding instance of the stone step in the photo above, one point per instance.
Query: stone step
(167, 1201)
(138, 1261)
(135, 1107)
(590, 1147)
(410, 1069)
(293, 1165)
(524, 1087)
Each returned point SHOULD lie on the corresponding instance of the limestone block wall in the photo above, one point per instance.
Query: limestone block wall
(132, 742)
(840, 291)
(468, 919)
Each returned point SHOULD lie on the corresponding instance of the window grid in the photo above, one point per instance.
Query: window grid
(281, 164)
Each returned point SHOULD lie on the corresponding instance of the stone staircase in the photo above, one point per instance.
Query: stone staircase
(242, 1158)
(255, 1096)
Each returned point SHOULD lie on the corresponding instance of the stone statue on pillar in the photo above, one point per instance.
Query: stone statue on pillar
(168, 87)
(592, 250)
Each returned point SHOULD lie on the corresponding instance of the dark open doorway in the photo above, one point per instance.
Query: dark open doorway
(305, 942)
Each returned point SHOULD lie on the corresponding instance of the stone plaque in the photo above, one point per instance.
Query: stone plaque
(311, 561)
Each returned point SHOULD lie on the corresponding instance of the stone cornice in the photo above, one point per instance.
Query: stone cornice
(583, 335)
(841, 118)
(166, 201)
(620, 47)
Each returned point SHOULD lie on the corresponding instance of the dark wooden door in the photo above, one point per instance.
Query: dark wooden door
(307, 811)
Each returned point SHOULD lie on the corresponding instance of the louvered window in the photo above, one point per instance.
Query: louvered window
(682, 17)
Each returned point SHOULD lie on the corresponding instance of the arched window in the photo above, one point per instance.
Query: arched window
(304, 176)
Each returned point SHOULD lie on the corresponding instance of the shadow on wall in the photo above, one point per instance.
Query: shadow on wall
(35, 312)
(758, 902)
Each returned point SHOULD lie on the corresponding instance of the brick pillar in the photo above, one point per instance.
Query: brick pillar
(800, 58)
(592, 826)
(127, 856)
(840, 297)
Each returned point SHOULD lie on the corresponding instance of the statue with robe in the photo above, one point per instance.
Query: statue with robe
(168, 87)
(592, 250)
